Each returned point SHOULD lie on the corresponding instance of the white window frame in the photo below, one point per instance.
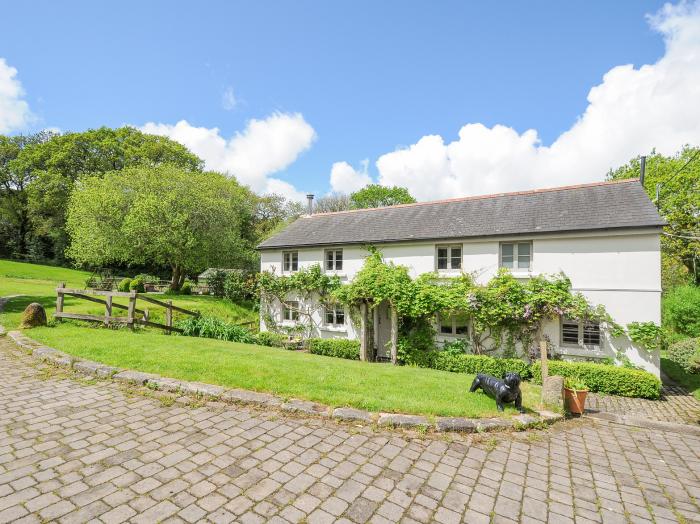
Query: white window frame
(289, 314)
(334, 260)
(291, 255)
(450, 257)
(453, 333)
(334, 310)
(515, 244)
(582, 334)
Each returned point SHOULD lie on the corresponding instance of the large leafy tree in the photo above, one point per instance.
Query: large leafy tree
(15, 227)
(375, 195)
(54, 165)
(164, 215)
(678, 201)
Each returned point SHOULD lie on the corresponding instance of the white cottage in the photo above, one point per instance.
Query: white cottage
(603, 236)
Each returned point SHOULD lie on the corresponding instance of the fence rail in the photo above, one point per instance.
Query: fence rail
(131, 320)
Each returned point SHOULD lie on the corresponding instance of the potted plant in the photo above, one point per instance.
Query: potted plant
(575, 392)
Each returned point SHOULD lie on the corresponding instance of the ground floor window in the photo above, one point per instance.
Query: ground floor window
(290, 310)
(456, 324)
(335, 315)
(580, 332)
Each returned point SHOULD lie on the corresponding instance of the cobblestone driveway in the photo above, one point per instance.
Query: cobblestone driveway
(74, 451)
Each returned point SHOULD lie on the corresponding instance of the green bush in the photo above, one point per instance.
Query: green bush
(269, 338)
(235, 286)
(186, 288)
(137, 285)
(335, 347)
(685, 352)
(124, 285)
(463, 363)
(600, 378)
(681, 310)
(212, 327)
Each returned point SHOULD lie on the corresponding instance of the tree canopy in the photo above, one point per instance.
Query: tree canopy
(49, 165)
(375, 195)
(678, 177)
(164, 215)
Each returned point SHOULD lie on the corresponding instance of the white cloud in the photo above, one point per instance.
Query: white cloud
(14, 110)
(631, 112)
(265, 147)
(228, 99)
(346, 179)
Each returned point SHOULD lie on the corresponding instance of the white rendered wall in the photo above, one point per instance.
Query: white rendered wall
(621, 270)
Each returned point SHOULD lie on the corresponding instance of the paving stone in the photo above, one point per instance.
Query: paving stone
(464, 425)
(402, 421)
(352, 415)
(76, 452)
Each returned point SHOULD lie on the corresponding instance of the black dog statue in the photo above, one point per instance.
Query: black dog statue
(506, 390)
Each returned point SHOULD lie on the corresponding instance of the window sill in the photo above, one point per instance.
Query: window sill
(334, 329)
(583, 351)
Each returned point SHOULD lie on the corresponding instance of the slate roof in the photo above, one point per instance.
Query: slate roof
(602, 205)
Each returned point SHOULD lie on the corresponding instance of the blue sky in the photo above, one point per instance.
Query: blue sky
(367, 77)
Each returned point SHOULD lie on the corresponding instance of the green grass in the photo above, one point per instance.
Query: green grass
(331, 381)
(39, 284)
(678, 375)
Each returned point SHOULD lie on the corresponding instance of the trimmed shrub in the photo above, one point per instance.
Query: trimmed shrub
(335, 347)
(186, 288)
(124, 285)
(212, 327)
(684, 352)
(137, 285)
(216, 281)
(472, 364)
(235, 287)
(600, 378)
(269, 338)
(681, 310)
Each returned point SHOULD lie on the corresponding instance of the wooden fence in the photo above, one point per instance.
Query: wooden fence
(131, 319)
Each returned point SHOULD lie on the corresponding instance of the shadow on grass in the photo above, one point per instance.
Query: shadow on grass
(680, 377)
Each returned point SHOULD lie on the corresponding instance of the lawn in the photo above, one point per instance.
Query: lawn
(678, 375)
(331, 381)
(39, 283)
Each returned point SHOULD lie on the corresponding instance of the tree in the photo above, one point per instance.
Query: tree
(375, 195)
(55, 164)
(272, 212)
(678, 202)
(332, 202)
(165, 215)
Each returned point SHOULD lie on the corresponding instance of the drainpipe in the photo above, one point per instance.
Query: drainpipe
(310, 199)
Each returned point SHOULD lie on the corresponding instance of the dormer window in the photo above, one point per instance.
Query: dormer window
(290, 261)
(449, 257)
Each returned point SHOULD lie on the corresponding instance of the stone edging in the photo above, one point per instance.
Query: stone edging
(239, 396)
(646, 423)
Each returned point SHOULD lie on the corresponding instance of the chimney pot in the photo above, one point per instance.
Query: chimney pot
(310, 199)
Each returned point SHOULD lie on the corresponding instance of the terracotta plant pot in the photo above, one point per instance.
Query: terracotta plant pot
(575, 400)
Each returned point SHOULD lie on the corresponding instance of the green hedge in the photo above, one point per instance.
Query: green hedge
(335, 347)
(600, 378)
(463, 363)
(684, 353)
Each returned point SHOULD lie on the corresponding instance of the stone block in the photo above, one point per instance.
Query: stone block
(525, 420)
(166, 384)
(402, 421)
(550, 416)
(493, 424)
(242, 396)
(133, 377)
(352, 415)
(304, 406)
(553, 392)
(202, 390)
(94, 369)
(464, 425)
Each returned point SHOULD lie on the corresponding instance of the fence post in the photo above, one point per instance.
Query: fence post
(543, 360)
(108, 309)
(130, 311)
(59, 300)
(169, 317)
